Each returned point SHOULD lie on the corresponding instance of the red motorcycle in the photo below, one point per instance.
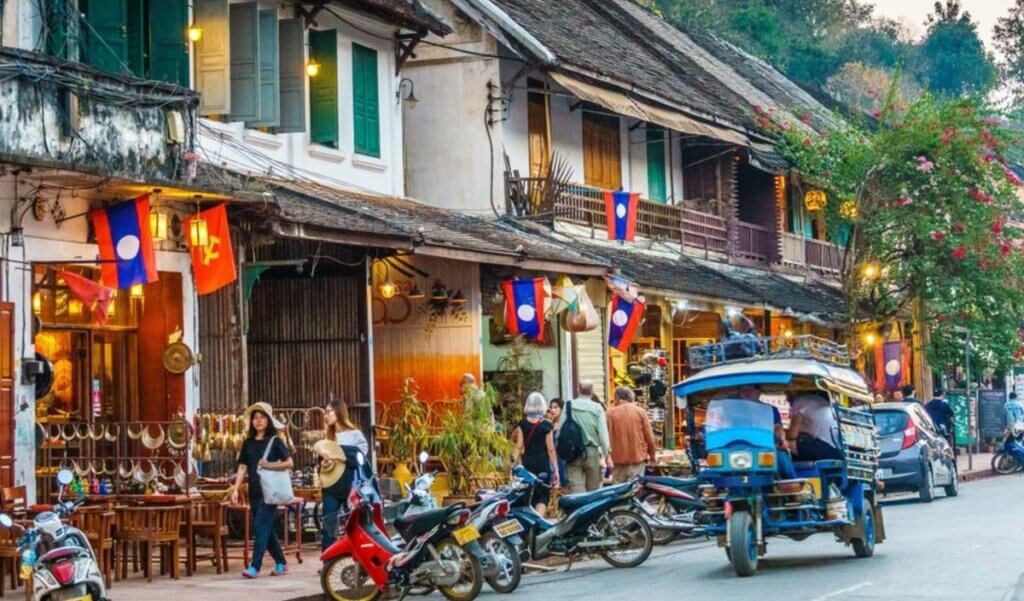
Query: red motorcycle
(442, 551)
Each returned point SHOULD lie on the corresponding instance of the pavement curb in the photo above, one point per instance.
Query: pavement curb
(978, 475)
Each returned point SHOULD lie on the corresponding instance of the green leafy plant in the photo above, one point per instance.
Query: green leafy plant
(516, 378)
(470, 447)
(410, 430)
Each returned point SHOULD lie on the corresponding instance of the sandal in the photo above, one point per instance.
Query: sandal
(250, 572)
(281, 570)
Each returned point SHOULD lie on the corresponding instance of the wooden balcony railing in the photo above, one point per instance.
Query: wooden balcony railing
(753, 242)
(823, 256)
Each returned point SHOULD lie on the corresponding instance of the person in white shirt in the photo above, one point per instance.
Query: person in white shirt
(338, 426)
(813, 431)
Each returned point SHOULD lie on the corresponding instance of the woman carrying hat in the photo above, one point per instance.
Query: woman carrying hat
(263, 432)
(338, 464)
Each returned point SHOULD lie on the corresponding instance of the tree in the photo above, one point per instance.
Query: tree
(926, 193)
(953, 61)
(1009, 39)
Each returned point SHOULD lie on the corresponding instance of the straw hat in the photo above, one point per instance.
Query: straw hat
(330, 451)
(267, 410)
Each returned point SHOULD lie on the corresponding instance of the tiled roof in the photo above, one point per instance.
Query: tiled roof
(785, 294)
(410, 13)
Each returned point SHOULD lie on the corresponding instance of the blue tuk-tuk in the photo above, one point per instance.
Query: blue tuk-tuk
(737, 405)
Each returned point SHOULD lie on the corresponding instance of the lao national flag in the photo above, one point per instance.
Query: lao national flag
(626, 317)
(892, 368)
(214, 264)
(620, 208)
(525, 302)
(126, 246)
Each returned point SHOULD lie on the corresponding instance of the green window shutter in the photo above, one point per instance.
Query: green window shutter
(136, 40)
(323, 89)
(292, 39)
(168, 42)
(270, 78)
(213, 57)
(57, 15)
(365, 100)
(105, 31)
(245, 75)
(656, 164)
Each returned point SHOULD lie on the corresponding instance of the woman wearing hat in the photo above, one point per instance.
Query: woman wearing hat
(263, 430)
(338, 464)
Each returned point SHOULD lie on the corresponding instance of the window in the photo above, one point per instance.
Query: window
(539, 125)
(602, 160)
(366, 107)
(323, 89)
(656, 163)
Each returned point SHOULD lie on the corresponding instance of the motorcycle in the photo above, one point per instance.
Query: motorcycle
(608, 521)
(670, 506)
(1009, 457)
(442, 551)
(68, 570)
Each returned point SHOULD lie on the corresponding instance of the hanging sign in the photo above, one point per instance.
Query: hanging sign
(213, 263)
(525, 304)
(620, 209)
(125, 243)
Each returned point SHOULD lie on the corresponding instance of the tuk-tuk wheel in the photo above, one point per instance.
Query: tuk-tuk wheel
(865, 545)
(742, 550)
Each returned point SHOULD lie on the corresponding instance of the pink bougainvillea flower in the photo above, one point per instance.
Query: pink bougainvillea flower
(827, 174)
(989, 139)
(997, 227)
(1011, 176)
(1005, 248)
(806, 117)
(938, 235)
(980, 196)
(924, 165)
(807, 141)
(959, 228)
(959, 252)
(990, 156)
(902, 201)
(947, 135)
(877, 114)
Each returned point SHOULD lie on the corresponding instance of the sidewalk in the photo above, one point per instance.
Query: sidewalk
(207, 585)
(981, 468)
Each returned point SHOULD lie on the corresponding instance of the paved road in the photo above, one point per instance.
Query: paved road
(967, 548)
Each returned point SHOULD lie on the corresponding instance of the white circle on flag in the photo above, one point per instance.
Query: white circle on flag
(892, 367)
(620, 210)
(127, 247)
(526, 312)
(620, 318)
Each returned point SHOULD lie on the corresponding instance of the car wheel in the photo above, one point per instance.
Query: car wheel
(927, 490)
(953, 488)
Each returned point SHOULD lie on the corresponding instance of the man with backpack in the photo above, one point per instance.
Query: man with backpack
(583, 441)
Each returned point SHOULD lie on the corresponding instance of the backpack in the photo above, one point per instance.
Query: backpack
(570, 445)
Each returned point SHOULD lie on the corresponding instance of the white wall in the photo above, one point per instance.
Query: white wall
(340, 167)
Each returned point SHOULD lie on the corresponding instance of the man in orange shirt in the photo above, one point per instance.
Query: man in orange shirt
(632, 438)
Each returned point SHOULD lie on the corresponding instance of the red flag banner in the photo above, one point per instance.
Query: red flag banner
(94, 295)
(213, 265)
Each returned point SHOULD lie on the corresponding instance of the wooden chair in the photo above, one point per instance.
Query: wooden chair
(209, 520)
(10, 557)
(14, 500)
(149, 527)
(97, 522)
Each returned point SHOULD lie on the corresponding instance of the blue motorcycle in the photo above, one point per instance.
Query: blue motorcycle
(1009, 457)
(606, 521)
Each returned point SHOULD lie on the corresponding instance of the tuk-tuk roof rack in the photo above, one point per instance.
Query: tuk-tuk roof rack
(743, 348)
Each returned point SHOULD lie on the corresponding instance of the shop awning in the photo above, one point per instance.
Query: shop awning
(644, 111)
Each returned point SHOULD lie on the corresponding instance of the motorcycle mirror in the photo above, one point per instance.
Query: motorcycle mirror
(6, 521)
(64, 477)
(360, 459)
(423, 457)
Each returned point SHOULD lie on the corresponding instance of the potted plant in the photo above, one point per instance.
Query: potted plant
(409, 433)
(471, 448)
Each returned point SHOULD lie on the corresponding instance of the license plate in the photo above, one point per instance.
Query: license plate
(466, 535)
(84, 598)
(507, 529)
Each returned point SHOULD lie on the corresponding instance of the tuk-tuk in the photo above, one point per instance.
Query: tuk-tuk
(737, 403)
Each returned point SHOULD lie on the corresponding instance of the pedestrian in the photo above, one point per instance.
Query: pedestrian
(1014, 411)
(339, 428)
(262, 449)
(908, 395)
(879, 397)
(535, 448)
(629, 429)
(897, 396)
(942, 414)
(555, 407)
(585, 473)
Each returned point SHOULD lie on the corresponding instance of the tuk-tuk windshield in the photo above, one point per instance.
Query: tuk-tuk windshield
(736, 420)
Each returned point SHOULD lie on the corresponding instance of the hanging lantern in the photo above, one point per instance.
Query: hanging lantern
(438, 292)
(458, 298)
(75, 307)
(415, 293)
(136, 291)
(158, 225)
(815, 199)
(848, 210)
(195, 33)
(312, 68)
(198, 232)
(870, 339)
(37, 303)
(388, 289)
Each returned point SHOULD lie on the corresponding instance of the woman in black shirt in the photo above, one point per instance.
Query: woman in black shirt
(535, 448)
(263, 430)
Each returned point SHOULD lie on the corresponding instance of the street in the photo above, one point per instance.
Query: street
(961, 548)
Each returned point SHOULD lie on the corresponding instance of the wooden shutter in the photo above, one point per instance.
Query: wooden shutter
(656, 163)
(136, 37)
(270, 77)
(323, 89)
(213, 57)
(106, 36)
(591, 357)
(602, 156)
(365, 100)
(538, 124)
(168, 44)
(245, 74)
(292, 65)
(6, 394)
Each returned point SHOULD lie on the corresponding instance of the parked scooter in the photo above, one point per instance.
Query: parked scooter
(68, 569)
(670, 506)
(1009, 457)
(442, 551)
(608, 521)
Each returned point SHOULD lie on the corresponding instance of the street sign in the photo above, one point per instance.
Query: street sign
(991, 413)
(964, 417)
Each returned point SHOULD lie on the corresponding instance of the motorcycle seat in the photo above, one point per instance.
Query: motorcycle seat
(411, 526)
(575, 501)
(683, 484)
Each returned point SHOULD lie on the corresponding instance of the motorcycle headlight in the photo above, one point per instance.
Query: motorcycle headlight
(741, 460)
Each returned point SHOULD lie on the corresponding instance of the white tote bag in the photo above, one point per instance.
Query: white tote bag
(276, 484)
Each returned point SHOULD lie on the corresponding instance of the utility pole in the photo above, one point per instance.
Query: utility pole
(967, 369)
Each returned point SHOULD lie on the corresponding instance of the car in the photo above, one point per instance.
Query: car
(914, 455)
